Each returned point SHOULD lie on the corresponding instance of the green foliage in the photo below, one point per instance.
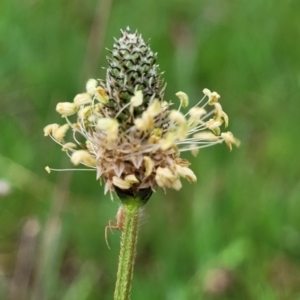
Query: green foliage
(233, 235)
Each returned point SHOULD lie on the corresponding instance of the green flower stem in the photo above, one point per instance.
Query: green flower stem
(128, 248)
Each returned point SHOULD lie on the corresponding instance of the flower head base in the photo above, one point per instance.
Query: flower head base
(132, 138)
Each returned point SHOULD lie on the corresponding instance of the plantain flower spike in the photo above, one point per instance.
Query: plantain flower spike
(132, 137)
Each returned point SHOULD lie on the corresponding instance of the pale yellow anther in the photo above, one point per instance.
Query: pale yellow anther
(206, 92)
(184, 99)
(182, 162)
(48, 170)
(155, 136)
(177, 117)
(140, 124)
(149, 165)
(154, 139)
(76, 126)
(111, 126)
(168, 141)
(157, 132)
(120, 183)
(182, 132)
(144, 123)
(186, 173)
(84, 157)
(81, 99)
(154, 108)
(176, 185)
(230, 140)
(106, 123)
(84, 112)
(212, 124)
(194, 151)
(225, 118)
(98, 107)
(218, 110)
(197, 112)
(92, 114)
(91, 86)
(69, 146)
(88, 145)
(112, 133)
(166, 178)
(214, 97)
(49, 129)
(166, 173)
(101, 95)
(220, 114)
(216, 130)
(93, 118)
(131, 179)
(66, 108)
(137, 99)
(206, 136)
(164, 104)
(60, 132)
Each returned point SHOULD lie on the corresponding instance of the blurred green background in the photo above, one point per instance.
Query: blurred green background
(233, 235)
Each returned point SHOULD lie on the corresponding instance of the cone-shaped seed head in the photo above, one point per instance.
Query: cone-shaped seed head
(132, 67)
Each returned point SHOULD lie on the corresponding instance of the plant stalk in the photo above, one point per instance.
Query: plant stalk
(128, 249)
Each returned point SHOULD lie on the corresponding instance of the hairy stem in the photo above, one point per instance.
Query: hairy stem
(128, 249)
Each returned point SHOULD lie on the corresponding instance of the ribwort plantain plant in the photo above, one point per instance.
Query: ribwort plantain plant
(133, 139)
